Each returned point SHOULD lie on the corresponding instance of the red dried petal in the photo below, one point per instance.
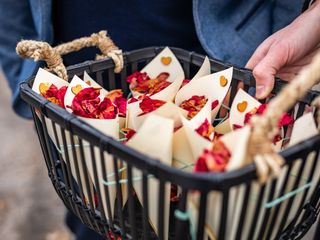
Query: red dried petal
(128, 133)
(285, 120)
(107, 110)
(201, 165)
(148, 105)
(121, 104)
(237, 126)
(137, 77)
(55, 95)
(214, 160)
(60, 95)
(193, 105)
(205, 129)
(214, 104)
(86, 103)
(113, 94)
(132, 100)
(52, 91)
(185, 82)
(140, 82)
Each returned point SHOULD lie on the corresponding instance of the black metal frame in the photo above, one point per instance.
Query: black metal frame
(94, 216)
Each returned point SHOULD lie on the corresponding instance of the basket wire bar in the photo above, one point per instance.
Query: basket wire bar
(64, 154)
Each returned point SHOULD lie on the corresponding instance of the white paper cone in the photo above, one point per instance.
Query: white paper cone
(209, 86)
(156, 66)
(169, 92)
(182, 153)
(237, 117)
(159, 132)
(110, 127)
(168, 110)
(204, 70)
(224, 127)
(88, 80)
(196, 141)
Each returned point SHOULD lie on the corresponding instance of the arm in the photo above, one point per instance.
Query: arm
(285, 52)
(16, 22)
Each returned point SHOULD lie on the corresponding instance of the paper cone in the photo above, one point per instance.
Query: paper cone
(237, 117)
(165, 61)
(204, 70)
(88, 80)
(157, 66)
(44, 76)
(109, 127)
(159, 134)
(196, 141)
(209, 86)
(169, 92)
(168, 110)
(224, 127)
(182, 153)
(236, 142)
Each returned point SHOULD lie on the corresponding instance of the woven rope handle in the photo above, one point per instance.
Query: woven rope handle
(266, 126)
(52, 56)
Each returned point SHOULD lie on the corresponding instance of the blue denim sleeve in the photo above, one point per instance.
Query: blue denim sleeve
(16, 23)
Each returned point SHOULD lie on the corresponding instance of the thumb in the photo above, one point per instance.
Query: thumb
(265, 71)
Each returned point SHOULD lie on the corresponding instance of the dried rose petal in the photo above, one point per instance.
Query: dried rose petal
(116, 93)
(214, 160)
(128, 133)
(285, 120)
(205, 129)
(193, 105)
(107, 110)
(121, 104)
(185, 82)
(87, 104)
(132, 100)
(55, 95)
(137, 77)
(140, 82)
(148, 105)
(214, 104)
(201, 165)
(60, 95)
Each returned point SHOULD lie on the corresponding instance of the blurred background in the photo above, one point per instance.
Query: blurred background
(29, 206)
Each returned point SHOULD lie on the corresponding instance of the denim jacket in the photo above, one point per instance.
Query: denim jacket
(229, 30)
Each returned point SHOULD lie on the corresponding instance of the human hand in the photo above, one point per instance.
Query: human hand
(285, 52)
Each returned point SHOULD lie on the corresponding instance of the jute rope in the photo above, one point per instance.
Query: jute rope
(265, 127)
(43, 51)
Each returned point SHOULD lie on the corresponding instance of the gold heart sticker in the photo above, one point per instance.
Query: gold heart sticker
(242, 106)
(166, 60)
(43, 88)
(76, 89)
(223, 81)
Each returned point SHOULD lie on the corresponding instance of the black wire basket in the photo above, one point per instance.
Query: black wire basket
(289, 218)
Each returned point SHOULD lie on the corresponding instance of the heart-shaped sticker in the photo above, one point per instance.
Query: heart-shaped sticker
(223, 81)
(166, 60)
(43, 88)
(76, 89)
(242, 106)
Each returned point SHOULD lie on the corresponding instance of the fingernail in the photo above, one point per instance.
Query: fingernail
(260, 91)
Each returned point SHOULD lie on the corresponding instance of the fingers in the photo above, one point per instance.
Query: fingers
(266, 70)
(259, 53)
